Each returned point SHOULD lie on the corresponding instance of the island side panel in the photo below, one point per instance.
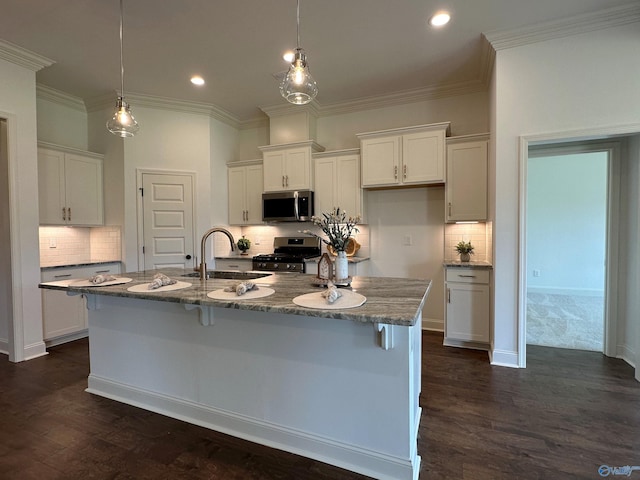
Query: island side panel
(271, 378)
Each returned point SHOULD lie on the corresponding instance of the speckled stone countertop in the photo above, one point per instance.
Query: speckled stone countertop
(72, 265)
(313, 259)
(470, 264)
(396, 301)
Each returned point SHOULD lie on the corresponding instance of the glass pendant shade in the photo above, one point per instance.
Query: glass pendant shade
(122, 123)
(298, 86)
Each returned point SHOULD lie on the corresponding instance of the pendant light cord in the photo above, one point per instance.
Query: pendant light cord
(121, 55)
(297, 24)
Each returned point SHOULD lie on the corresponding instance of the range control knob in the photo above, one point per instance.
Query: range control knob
(275, 266)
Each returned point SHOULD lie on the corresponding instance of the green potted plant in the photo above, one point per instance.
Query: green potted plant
(244, 244)
(465, 249)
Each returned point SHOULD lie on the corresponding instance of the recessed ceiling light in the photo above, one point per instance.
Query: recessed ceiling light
(197, 80)
(439, 19)
(288, 56)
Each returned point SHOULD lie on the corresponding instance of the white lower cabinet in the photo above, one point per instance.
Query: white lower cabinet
(240, 264)
(64, 317)
(467, 307)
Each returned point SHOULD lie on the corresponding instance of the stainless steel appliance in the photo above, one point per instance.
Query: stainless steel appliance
(289, 254)
(295, 206)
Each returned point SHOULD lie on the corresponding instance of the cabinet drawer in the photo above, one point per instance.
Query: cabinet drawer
(80, 272)
(468, 275)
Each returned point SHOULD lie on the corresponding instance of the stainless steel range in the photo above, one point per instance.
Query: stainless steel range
(289, 254)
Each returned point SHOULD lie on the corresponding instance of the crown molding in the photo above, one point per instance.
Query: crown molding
(280, 110)
(141, 100)
(56, 96)
(262, 122)
(23, 57)
(406, 96)
(613, 17)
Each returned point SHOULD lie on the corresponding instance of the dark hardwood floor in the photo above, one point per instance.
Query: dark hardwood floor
(561, 418)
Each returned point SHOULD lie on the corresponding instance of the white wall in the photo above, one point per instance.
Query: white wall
(467, 114)
(18, 105)
(62, 124)
(416, 213)
(628, 341)
(582, 82)
(6, 300)
(567, 222)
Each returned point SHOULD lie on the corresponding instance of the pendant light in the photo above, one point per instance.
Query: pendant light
(122, 124)
(298, 86)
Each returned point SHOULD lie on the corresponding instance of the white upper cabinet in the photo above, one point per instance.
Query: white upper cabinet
(69, 186)
(337, 182)
(245, 195)
(467, 178)
(288, 167)
(404, 156)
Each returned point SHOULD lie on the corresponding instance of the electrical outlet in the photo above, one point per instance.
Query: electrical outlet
(52, 242)
(536, 272)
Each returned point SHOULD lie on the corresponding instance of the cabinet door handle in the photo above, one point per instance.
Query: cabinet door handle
(449, 208)
(287, 180)
(395, 172)
(103, 271)
(448, 295)
(62, 275)
(467, 276)
(64, 214)
(69, 213)
(283, 181)
(404, 171)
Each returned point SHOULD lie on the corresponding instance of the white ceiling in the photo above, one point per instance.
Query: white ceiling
(356, 48)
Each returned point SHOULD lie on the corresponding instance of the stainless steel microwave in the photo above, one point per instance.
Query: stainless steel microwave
(293, 206)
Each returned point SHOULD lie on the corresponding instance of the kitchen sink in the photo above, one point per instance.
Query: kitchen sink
(224, 274)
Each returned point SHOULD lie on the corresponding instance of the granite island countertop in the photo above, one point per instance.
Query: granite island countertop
(396, 301)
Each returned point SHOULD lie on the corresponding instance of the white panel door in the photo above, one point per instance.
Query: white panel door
(167, 204)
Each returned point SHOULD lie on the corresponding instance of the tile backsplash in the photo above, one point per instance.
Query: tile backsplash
(479, 234)
(76, 245)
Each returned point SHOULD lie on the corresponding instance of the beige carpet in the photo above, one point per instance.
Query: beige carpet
(565, 321)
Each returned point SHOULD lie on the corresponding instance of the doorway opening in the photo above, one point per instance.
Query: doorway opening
(567, 217)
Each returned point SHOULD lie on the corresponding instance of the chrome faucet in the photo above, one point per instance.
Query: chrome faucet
(203, 263)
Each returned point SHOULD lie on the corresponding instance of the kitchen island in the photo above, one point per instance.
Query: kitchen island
(341, 386)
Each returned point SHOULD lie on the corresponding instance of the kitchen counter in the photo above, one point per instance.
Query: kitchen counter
(73, 265)
(470, 264)
(396, 301)
(339, 386)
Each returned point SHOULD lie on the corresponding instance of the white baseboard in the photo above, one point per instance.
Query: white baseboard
(4, 346)
(504, 358)
(67, 338)
(35, 350)
(576, 292)
(626, 354)
(351, 457)
(434, 324)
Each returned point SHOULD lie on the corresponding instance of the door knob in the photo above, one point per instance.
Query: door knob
(188, 257)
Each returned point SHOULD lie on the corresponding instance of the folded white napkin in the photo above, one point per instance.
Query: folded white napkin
(160, 280)
(331, 293)
(242, 288)
(98, 279)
